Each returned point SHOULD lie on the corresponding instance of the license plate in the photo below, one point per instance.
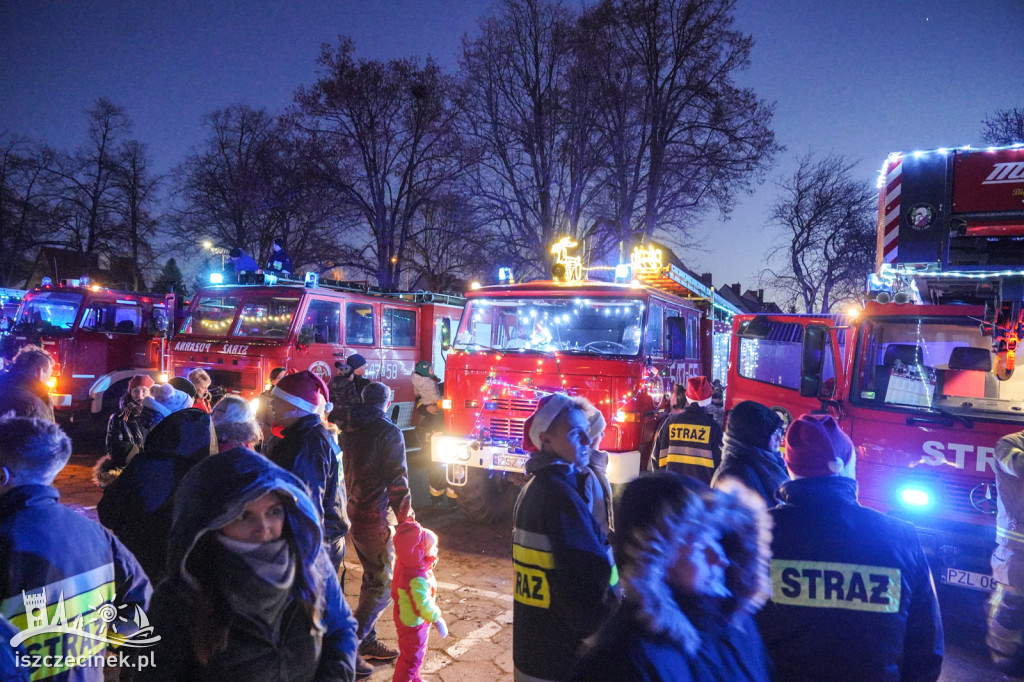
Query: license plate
(974, 581)
(510, 461)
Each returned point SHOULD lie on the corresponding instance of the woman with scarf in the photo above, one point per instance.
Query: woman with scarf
(250, 593)
(750, 450)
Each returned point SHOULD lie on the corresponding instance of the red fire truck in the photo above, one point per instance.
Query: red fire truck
(99, 337)
(621, 346)
(922, 379)
(238, 333)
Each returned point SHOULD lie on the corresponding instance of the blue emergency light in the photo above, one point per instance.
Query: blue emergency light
(312, 280)
(505, 275)
(622, 272)
(216, 278)
(916, 498)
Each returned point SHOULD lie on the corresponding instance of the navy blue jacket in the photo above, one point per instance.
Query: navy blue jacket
(322, 649)
(690, 443)
(852, 596)
(760, 470)
(566, 580)
(46, 546)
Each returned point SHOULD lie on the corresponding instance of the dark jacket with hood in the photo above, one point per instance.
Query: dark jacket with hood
(852, 596)
(376, 472)
(307, 450)
(662, 635)
(25, 396)
(763, 471)
(566, 581)
(45, 544)
(137, 505)
(125, 438)
(299, 649)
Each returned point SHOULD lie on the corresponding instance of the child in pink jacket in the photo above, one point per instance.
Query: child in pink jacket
(413, 591)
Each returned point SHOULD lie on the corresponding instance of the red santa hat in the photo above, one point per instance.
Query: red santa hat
(548, 409)
(698, 390)
(816, 446)
(304, 390)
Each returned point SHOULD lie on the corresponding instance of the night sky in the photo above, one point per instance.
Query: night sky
(857, 78)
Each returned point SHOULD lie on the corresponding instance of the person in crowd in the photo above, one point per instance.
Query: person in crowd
(852, 598)
(694, 566)
(125, 433)
(53, 553)
(137, 505)
(279, 262)
(163, 400)
(186, 386)
(750, 450)
(23, 387)
(599, 489)
(201, 380)
(676, 404)
(307, 450)
(344, 396)
(250, 592)
(1005, 636)
(690, 443)
(566, 580)
(242, 261)
(358, 364)
(264, 414)
(430, 420)
(377, 477)
(717, 407)
(414, 595)
(235, 424)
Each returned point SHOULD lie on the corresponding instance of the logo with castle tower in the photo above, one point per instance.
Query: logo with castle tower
(102, 623)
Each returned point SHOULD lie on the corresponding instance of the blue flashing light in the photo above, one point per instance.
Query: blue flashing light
(505, 275)
(917, 498)
(622, 272)
(269, 278)
(312, 280)
(216, 278)
(490, 405)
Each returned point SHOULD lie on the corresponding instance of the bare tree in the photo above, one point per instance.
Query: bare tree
(25, 216)
(826, 222)
(390, 142)
(1005, 127)
(681, 136)
(134, 205)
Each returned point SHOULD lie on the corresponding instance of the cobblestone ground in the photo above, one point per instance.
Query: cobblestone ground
(474, 575)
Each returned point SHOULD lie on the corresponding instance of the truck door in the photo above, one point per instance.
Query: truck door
(320, 338)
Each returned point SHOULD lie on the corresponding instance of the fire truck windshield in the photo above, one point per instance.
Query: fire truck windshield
(252, 315)
(49, 312)
(939, 364)
(602, 326)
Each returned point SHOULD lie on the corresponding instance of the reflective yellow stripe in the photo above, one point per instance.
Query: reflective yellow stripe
(614, 579)
(533, 557)
(687, 459)
(822, 584)
(1008, 534)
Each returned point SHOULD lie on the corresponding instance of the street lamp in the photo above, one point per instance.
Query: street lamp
(215, 250)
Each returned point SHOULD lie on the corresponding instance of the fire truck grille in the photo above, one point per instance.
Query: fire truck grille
(505, 429)
(956, 496)
(528, 405)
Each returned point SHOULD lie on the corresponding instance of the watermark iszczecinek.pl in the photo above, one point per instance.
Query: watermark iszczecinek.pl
(84, 642)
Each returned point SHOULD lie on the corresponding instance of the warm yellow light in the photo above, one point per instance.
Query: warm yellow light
(474, 285)
(207, 244)
(51, 382)
(95, 287)
(853, 312)
(163, 378)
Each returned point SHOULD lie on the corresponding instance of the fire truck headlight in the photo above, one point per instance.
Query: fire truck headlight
(447, 448)
(51, 382)
(254, 404)
(163, 378)
(916, 498)
(446, 404)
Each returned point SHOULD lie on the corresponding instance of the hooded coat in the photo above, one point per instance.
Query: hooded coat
(376, 471)
(320, 649)
(125, 438)
(763, 471)
(25, 396)
(137, 505)
(662, 635)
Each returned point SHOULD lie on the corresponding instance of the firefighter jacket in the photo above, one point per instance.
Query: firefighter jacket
(566, 581)
(376, 472)
(690, 443)
(307, 450)
(852, 596)
(1008, 558)
(73, 565)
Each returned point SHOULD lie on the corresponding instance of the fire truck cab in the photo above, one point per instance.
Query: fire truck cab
(922, 378)
(99, 337)
(238, 333)
(619, 345)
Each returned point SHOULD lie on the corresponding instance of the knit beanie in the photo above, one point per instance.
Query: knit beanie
(169, 399)
(698, 390)
(816, 446)
(303, 390)
(184, 385)
(752, 423)
(140, 381)
(355, 361)
(423, 368)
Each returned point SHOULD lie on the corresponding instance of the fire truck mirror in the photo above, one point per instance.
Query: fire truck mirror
(446, 333)
(812, 359)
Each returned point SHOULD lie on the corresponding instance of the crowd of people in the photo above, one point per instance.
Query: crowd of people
(743, 556)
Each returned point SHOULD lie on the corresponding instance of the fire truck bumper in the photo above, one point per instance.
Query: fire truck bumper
(623, 467)
(60, 399)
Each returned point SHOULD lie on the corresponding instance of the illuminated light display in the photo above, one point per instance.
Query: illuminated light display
(573, 264)
(648, 258)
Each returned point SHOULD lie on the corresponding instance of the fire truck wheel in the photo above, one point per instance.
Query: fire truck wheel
(487, 497)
